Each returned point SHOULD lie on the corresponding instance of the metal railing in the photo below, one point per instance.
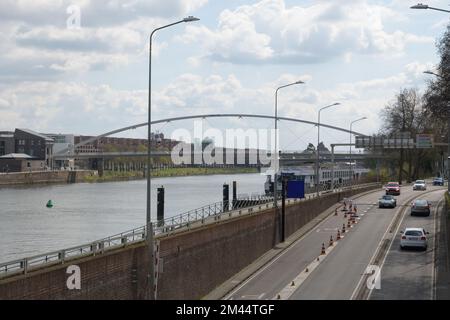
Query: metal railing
(22, 266)
(203, 215)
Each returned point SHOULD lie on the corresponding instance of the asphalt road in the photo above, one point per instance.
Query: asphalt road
(296, 273)
(409, 274)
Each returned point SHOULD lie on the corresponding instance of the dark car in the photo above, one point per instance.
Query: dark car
(438, 182)
(420, 207)
(393, 188)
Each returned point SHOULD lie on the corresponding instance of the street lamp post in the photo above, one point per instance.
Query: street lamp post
(448, 129)
(318, 141)
(350, 155)
(275, 176)
(149, 226)
(425, 6)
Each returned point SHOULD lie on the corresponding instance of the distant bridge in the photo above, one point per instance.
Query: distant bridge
(66, 153)
(285, 158)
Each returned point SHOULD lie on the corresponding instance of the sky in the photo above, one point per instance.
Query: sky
(81, 66)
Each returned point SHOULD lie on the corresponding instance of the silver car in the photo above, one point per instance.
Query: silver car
(420, 185)
(387, 201)
(420, 207)
(414, 237)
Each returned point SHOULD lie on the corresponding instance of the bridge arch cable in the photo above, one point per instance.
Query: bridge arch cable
(298, 137)
(87, 141)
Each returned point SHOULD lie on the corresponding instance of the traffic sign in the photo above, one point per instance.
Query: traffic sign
(424, 140)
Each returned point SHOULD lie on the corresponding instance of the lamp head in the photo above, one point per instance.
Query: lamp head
(420, 6)
(190, 19)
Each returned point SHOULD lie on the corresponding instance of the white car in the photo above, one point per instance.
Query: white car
(414, 237)
(420, 185)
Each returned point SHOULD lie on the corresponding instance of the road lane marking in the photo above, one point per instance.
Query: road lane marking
(358, 288)
(229, 296)
(352, 297)
(289, 289)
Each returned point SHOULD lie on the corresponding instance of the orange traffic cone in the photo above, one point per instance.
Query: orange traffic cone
(331, 241)
(323, 249)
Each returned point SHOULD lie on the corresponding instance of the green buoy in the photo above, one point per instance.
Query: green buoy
(49, 204)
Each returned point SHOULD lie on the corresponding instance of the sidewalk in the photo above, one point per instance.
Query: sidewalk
(442, 257)
(247, 272)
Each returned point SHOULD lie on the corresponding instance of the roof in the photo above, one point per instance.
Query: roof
(36, 134)
(413, 229)
(6, 134)
(16, 156)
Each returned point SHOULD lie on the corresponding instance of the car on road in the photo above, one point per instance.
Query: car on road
(387, 201)
(414, 237)
(393, 188)
(420, 207)
(420, 185)
(438, 181)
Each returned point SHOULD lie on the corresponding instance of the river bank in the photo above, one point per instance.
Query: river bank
(45, 177)
(91, 176)
(163, 173)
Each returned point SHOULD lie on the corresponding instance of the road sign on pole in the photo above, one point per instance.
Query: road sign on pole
(424, 141)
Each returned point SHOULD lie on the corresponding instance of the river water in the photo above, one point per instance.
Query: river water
(84, 212)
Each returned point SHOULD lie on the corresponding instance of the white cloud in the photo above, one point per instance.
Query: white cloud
(80, 108)
(270, 32)
(36, 45)
(94, 12)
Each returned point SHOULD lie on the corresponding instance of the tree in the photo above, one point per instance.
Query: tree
(405, 114)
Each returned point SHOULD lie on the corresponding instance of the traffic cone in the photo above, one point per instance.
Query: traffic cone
(323, 249)
(331, 241)
(338, 237)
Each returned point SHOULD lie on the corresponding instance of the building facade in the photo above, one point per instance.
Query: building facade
(34, 144)
(6, 142)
